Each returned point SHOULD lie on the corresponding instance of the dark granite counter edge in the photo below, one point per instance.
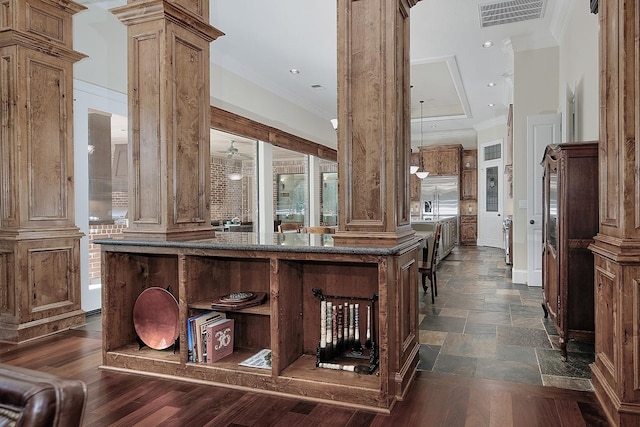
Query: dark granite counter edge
(263, 247)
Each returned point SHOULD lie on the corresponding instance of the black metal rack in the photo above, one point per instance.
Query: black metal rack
(348, 354)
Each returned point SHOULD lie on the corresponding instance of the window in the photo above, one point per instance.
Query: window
(492, 189)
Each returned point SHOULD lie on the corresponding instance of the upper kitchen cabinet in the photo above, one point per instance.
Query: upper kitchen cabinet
(442, 160)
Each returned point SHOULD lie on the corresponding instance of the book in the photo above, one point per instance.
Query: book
(219, 340)
(199, 329)
(191, 336)
(261, 359)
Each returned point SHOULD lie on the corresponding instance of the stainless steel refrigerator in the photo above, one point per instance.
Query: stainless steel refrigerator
(439, 196)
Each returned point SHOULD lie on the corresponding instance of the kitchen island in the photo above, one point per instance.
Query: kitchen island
(292, 270)
(448, 235)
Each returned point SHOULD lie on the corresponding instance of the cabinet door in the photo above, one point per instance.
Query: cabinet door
(468, 190)
(468, 230)
(430, 161)
(449, 159)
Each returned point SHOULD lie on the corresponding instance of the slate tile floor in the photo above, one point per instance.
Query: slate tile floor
(482, 325)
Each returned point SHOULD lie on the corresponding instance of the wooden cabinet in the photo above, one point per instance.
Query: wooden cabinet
(442, 160)
(288, 323)
(469, 185)
(448, 236)
(469, 175)
(569, 224)
(468, 229)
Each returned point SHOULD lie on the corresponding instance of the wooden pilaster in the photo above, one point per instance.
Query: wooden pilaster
(616, 371)
(39, 241)
(374, 134)
(168, 54)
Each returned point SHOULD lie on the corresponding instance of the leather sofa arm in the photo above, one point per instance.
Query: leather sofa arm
(34, 398)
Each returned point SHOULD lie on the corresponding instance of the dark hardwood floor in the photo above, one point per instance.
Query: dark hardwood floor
(435, 399)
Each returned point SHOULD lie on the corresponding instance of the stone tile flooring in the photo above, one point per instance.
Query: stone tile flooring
(482, 325)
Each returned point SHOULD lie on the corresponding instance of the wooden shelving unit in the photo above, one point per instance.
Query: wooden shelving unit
(287, 323)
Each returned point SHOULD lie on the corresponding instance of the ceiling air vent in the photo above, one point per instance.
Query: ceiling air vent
(506, 12)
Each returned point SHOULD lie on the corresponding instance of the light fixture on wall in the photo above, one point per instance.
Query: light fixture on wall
(421, 173)
(235, 176)
(334, 123)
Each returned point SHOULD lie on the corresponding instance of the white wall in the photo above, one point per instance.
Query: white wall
(579, 69)
(535, 92)
(233, 93)
(100, 35)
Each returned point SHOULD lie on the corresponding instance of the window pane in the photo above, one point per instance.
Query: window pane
(492, 189)
(291, 174)
(492, 152)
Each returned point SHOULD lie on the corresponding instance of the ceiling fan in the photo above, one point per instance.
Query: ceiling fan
(232, 151)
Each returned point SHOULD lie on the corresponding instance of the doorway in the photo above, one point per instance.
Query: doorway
(490, 194)
(542, 130)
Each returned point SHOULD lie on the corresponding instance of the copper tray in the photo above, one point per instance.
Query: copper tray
(156, 318)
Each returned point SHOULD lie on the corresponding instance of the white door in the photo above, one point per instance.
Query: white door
(490, 194)
(542, 130)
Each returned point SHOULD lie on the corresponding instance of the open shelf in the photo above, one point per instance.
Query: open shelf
(305, 368)
(261, 310)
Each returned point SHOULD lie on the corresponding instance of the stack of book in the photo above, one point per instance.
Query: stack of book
(209, 337)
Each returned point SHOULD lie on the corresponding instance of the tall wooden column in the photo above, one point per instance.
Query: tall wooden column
(374, 149)
(616, 371)
(39, 241)
(374, 133)
(168, 54)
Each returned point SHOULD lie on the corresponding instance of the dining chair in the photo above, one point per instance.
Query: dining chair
(427, 267)
(289, 227)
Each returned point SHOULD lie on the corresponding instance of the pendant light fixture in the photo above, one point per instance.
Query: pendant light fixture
(421, 173)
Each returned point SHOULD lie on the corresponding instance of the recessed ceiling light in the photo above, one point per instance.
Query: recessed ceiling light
(492, 105)
(434, 126)
(487, 44)
(294, 71)
(492, 84)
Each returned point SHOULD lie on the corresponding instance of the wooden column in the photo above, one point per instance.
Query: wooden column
(39, 241)
(616, 371)
(168, 54)
(374, 153)
(374, 134)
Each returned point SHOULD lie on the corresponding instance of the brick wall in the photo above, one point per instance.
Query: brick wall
(99, 231)
(227, 195)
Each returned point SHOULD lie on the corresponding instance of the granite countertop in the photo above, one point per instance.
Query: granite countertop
(275, 242)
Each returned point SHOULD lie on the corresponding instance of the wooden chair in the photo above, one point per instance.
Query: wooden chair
(317, 230)
(289, 227)
(427, 268)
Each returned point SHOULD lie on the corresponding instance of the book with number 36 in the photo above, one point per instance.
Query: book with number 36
(219, 340)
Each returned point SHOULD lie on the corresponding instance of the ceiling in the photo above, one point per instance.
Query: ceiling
(463, 85)
(451, 71)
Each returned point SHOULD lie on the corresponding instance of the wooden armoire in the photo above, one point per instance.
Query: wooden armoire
(569, 224)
